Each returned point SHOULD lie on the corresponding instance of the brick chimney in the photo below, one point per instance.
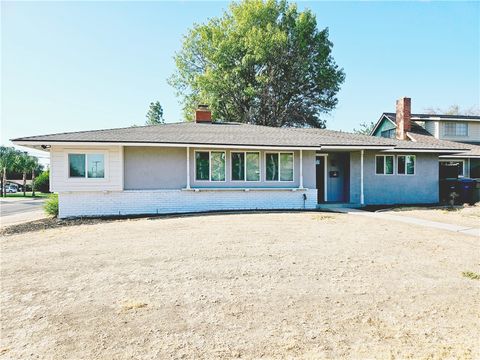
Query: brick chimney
(203, 114)
(402, 118)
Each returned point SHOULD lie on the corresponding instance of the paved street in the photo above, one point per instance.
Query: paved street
(17, 210)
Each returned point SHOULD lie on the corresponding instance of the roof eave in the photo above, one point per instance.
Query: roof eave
(40, 143)
(419, 150)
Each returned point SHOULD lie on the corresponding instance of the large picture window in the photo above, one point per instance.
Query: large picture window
(245, 166)
(406, 164)
(91, 166)
(384, 164)
(210, 165)
(279, 166)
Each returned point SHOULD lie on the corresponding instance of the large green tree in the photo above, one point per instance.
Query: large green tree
(262, 62)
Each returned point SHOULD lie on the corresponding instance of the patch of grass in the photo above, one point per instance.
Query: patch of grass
(471, 275)
(28, 194)
(322, 217)
(51, 205)
(133, 305)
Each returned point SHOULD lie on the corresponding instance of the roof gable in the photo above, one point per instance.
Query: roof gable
(383, 124)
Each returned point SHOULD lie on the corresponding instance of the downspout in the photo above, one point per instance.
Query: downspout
(362, 199)
(301, 169)
(188, 167)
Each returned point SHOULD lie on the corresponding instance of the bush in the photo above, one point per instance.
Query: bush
(42, 182)
(51, 205)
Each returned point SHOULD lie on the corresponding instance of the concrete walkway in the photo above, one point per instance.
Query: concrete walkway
(413, 220)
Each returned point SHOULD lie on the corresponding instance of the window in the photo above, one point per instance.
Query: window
(77, 165)
(202, 165)
(388, 133)
(384, 164)
(210, 165)
(406, 164)
(217, 170)
(245, 166)
(475, 168)
(91, 166)
(253, 166)
(279, 166)
(455, 129)
(459, 164)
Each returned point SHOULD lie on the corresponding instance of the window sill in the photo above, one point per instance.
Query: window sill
(245, 189)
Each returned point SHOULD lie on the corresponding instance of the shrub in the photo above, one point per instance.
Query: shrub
(51, 205)
(42, 182)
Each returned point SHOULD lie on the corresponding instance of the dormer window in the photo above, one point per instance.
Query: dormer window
(455, 129)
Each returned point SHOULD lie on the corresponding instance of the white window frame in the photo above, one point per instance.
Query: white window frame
(209, 166)
(245, 152)
(414, 165)
(384, 165)
(279, 177)
(86, 153)
(455, 127)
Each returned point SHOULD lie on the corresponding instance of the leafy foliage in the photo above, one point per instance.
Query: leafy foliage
(365, 128)
(51, 205)
(15, 161)
(262, 62)
(42, 182)
(155, 114)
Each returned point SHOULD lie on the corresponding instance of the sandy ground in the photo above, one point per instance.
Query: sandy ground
(295, 285)
(463, 216)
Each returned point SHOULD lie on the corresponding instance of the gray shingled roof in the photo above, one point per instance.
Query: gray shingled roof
(214, 134)
(433, 117)
(232, 134)
(431, 142)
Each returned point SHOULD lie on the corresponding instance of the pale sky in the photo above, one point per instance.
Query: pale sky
(69, 66)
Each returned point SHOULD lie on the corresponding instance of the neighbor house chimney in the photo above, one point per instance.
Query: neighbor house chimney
(203, 114)
(402, 118)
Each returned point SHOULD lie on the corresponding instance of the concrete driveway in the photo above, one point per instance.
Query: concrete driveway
(18, 210)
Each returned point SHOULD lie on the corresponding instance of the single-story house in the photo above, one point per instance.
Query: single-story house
(207, 166)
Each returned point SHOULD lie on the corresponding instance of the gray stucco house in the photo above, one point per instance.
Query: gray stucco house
(206, 166)
(464, 129)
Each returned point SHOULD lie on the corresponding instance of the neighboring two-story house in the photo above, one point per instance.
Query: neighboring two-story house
(464, 129)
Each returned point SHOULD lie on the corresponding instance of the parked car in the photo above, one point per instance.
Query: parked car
(10, 189)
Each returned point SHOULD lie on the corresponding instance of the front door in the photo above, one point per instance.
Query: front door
(338, 177)
(320, 179)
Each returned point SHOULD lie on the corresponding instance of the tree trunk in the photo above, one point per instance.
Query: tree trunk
(1, 183)
(4, 191)
(24, 183)
(33, 183)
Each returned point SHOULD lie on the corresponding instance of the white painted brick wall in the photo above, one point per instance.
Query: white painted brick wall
(75, 204)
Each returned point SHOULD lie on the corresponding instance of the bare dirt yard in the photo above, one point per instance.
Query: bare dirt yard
(271, 285)
(459, 215)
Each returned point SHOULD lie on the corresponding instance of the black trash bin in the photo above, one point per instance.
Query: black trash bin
(466, 191)
(447, 188)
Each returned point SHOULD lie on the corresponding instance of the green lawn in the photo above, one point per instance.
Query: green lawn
(29, 194)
